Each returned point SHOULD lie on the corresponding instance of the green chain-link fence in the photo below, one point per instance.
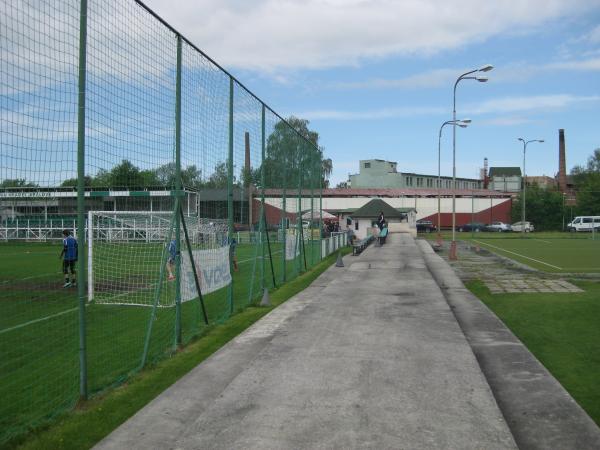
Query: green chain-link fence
(185, 195)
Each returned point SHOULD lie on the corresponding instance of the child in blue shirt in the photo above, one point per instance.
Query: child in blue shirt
(69, 258)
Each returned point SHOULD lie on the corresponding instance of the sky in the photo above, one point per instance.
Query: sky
(375, 77)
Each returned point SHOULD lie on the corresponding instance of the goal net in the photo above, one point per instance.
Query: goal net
(132, 258)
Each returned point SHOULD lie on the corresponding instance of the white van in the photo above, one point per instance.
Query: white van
(584, 223)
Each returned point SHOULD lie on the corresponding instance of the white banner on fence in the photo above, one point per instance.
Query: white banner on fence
(292, 246)
(212, 267)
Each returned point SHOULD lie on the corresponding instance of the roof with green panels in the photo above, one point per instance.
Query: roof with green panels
(505, 172)
(377, 205)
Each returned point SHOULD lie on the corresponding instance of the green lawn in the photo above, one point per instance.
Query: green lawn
(549, 252)
(561, 330)
(39, 325)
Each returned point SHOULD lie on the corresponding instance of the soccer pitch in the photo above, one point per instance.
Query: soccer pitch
(39, 327)
(546, 253)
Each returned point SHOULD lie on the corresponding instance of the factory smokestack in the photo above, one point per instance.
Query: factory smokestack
(485, 173)
(562, 165)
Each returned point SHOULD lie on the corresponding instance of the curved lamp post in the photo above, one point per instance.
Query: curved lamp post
(481, 79)
(463, 123)
(523, 190)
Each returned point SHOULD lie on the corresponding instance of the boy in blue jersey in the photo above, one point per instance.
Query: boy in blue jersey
(69, 258)
(171, 262)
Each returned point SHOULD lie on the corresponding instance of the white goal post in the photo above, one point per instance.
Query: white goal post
(128, 250)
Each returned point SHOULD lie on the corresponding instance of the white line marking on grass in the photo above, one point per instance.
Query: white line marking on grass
(259, 257)
(15, 280)
(518, 254)
(31, 322)
(547, 242)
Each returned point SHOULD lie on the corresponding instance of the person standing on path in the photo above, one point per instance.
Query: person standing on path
(69, 258)
(380, 221)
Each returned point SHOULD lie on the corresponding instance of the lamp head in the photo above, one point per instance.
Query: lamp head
(486, 68)
(521, 139)
(540, 140)
(482, 79)
(462, 125)
(465, 120)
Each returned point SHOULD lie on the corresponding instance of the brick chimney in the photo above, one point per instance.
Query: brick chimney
(562, 165)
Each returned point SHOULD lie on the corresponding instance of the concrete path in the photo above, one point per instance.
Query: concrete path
(369, 356)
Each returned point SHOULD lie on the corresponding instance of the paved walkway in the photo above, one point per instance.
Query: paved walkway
(369, 356)
(502, 275)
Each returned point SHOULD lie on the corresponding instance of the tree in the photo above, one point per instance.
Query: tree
(16, 183)
(72, 182)
(218, 179)
(544, 208)
(327, 168)
(125, 175)
(191, 176)
(293, 157)
(587, 180)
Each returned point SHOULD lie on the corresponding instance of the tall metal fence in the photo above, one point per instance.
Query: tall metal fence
(184, 193)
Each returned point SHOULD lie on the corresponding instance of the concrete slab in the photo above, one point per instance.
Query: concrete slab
(364, 358)
(540, 412)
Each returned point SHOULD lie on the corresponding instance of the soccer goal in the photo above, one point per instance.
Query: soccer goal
(131, 257)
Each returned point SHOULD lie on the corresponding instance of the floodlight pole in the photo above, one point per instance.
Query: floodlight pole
(464, 76)
(439, 180)
(523, 189)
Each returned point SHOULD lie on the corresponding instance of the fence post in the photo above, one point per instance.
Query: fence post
(230, 194)
(265, 227)
(284, 220)
(178, 193)
(83, 389)
(320, 172)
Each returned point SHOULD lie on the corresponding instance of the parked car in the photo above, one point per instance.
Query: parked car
(474, 226)
(499, 227)
(518, 226)
(584, 223)
(425, 226)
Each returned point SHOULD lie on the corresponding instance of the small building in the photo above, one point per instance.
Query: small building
(381, 174)
(543, 181)
(505, 179)
(363, 220)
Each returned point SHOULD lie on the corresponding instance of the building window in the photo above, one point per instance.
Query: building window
(367, 165)
(356, 224)
(409, 181)
(419, 182)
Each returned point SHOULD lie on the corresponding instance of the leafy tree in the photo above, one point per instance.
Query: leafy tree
(16, 183)
(327, 168)
(218, 179)
(191, 176)
(587, 180)
(73, 182)
(544, 208)
(125, 175)
(293, 157)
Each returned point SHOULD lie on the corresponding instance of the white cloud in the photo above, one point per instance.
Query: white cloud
(503, 106)
(373, 114)
(269, 35)
(446, 76)
(433, 78)
(531, 103)
(507, 121)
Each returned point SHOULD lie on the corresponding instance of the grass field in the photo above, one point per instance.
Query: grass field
(549, 252)
(561, 330)
(39, 327)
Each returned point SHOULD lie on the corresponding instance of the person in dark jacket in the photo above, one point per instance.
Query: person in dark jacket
(380, 221)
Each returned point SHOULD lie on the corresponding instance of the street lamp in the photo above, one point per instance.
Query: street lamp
(524, 182)
(481, 79)
(463, 123)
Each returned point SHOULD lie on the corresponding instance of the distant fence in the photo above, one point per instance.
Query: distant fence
(105, 107)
